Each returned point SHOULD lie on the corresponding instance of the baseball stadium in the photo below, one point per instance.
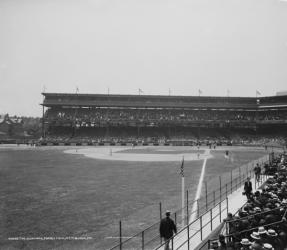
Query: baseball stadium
(108, 167)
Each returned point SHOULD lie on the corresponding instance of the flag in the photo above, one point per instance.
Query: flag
(199, 92)
(77, 90)
(140, 91)
(228, 92)
(182, 167)
(257, 93)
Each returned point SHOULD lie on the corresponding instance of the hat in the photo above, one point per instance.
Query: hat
(255, 236)
(221, 236)
(167, 212)
(214, 244)
(257, 209)
(268, 246)
(245, 242)
(272, 233)
(261, 230)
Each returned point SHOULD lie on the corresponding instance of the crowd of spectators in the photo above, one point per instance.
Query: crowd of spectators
(262, 222)
(91, 117)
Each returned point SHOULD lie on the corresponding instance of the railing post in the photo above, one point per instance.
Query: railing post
(160, 211)
(227, 206)
(206, 206)
(211, 219)
(142, 240)
(231, 182)
(175, 218)
(160, 217)
(200, 227)
(120, 225)
(187, 212)
(214, 198)
(220, 211)
(197, 208)
(239, 175)
(172, 243)
(187, 236)
(226, 190)
(220, 194)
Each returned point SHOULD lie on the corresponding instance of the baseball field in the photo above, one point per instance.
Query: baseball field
(74, 197)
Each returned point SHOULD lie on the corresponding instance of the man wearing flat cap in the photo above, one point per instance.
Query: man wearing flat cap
(167, 228)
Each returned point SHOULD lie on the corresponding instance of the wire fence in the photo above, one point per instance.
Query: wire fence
(221, 187)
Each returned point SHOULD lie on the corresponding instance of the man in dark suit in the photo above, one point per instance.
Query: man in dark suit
(166, 229)
(248, 188)
(257, 171)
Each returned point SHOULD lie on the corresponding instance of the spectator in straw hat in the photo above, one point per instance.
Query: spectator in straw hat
(166, 229)
(262, 232)
(256, 244)
(267, 246)
(273, 239)
(245, 244)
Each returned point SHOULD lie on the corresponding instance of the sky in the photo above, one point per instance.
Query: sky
(158, 46)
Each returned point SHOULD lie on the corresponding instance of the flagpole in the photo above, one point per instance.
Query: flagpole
(182, 190)
(182, 200)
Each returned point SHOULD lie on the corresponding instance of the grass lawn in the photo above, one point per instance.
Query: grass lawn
(47, 193)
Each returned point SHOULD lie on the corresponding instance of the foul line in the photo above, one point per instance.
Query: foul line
(198, 191)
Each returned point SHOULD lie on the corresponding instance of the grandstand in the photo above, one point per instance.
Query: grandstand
(130, 118)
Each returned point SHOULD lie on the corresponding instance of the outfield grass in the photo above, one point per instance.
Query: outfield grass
(46, 192)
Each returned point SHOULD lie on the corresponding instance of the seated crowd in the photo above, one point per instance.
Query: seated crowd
(90, 117)
(262, 222)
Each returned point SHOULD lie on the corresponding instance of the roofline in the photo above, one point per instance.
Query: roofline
(152, 96)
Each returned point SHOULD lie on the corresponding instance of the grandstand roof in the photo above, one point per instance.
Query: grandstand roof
(147, 101)
(161, 101)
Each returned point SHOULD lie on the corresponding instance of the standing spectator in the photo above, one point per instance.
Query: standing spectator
(230, 229)
(248, 188)
(257, 171)
(167, 229)
(223, 245)
(245, 244)
(257, 244)
(262, 232)
(267, 246)
(274, 240)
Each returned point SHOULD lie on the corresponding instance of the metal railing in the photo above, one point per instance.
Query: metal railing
(149, 238)
(198, 229)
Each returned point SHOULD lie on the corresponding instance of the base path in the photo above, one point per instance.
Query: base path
(199, 187)
(119, 154)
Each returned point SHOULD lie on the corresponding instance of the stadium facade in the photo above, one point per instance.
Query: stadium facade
(157, 116)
